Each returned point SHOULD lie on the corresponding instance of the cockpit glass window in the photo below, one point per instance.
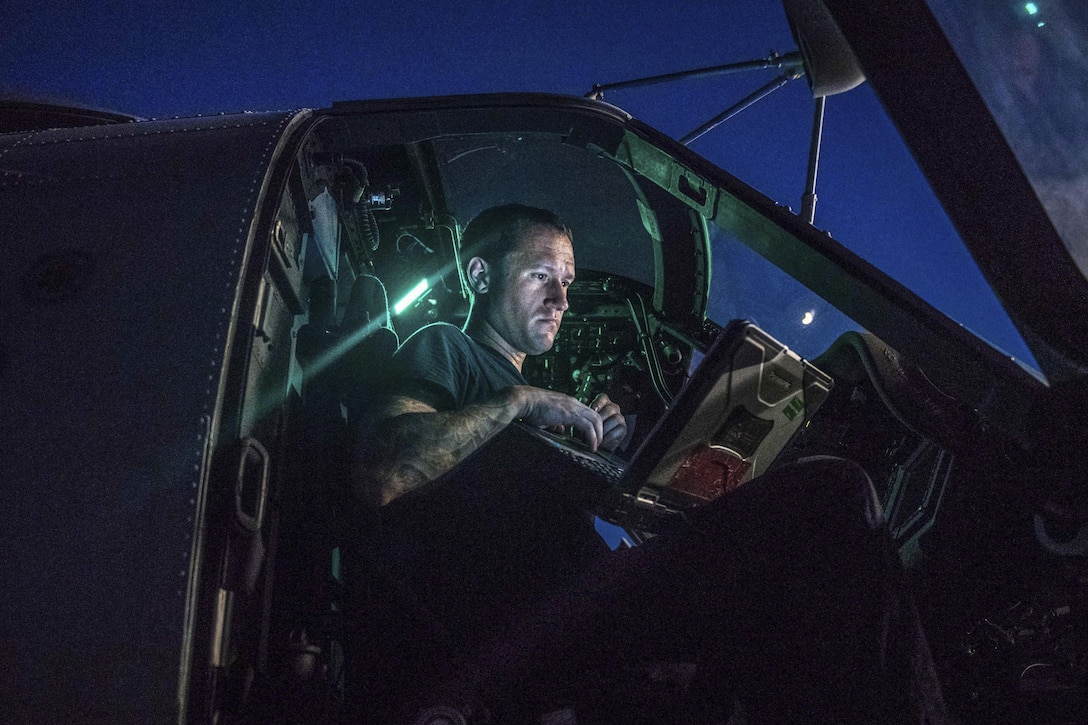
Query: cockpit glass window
(1029, 61)
(747, 286)
(876, 201)
(595, 197)
(872, 198)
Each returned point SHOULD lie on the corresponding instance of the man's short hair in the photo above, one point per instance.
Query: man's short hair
(494, 232)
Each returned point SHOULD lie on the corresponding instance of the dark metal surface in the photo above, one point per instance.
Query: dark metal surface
(122, 249)
(18, 115)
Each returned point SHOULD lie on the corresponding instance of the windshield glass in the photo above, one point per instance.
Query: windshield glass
(872, 196)
(1029, 61)
(747, 286)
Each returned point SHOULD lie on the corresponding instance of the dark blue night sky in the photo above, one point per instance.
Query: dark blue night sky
(159, 59)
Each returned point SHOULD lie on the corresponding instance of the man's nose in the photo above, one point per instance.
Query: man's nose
(557, 296)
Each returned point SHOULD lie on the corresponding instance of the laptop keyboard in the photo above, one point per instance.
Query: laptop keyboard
(597, 464)
(576, 451)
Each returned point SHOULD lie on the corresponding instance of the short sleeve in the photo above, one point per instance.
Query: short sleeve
(431, 367)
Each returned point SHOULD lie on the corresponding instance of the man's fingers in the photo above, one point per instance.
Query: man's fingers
(547, 408)
(591, 427)
(596, 432)
(614, 427)
(615, 430)
(613, 424)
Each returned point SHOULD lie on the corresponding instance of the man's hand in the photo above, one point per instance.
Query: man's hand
(600, 424)
(613, 423)
(549, 409)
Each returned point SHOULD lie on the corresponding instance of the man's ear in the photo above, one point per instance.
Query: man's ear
(479, 275)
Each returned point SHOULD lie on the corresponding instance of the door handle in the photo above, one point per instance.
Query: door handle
(251, 485)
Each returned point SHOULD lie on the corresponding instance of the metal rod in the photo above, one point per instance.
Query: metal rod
(736, 108)
(808, 199)
(788, 62)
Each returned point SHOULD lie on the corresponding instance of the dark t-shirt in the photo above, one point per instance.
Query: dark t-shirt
(487, 539)
(442, 366)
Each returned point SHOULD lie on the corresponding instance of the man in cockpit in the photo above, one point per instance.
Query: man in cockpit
(499, 596)
(456, 389)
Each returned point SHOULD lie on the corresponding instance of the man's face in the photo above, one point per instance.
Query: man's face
(529, 292)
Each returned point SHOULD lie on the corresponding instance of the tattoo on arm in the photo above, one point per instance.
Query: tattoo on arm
(411, 444)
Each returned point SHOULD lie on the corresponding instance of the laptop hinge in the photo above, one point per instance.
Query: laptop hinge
(647, 499)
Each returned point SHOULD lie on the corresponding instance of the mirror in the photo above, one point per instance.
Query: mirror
(830, 65)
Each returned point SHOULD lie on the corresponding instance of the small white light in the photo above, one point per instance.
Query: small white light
(808, 317)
